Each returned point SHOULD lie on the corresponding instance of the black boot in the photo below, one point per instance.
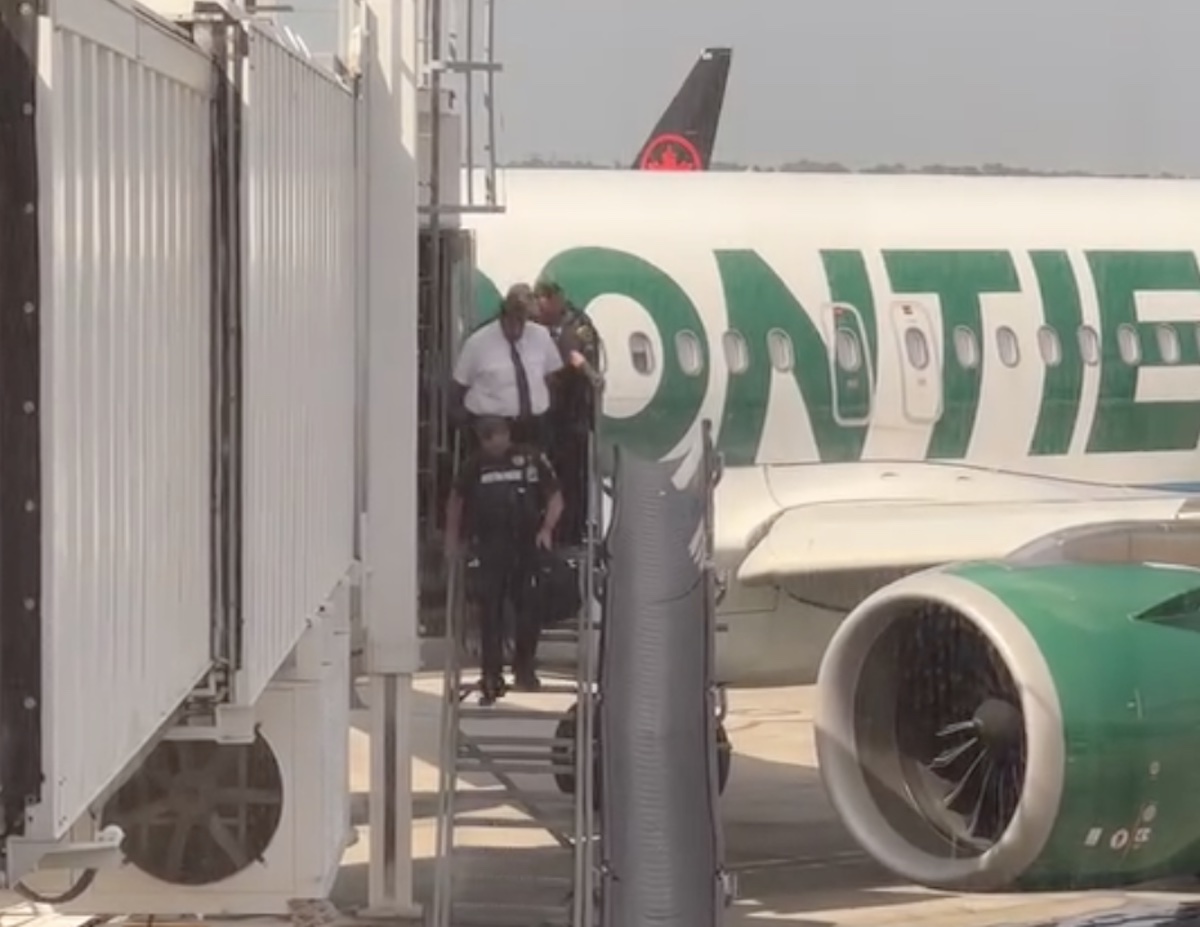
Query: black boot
(526, 679)
(490, 690)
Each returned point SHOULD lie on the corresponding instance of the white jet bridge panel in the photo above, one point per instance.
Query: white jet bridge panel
(299, 349)
(123, 159)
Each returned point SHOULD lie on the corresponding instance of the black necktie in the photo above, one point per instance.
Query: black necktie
(526, 404)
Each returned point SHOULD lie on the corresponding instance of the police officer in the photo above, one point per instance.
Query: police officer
(505, 505)
(572, 399)
(502, 369)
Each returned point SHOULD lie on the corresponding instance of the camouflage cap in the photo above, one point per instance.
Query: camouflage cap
(548, 287)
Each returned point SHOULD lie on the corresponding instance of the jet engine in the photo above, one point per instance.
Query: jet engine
(1019, 725)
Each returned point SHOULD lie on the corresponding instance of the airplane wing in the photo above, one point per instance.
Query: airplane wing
(839, 536)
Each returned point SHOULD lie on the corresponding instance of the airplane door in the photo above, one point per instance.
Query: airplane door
(850, 373)
(920, 361)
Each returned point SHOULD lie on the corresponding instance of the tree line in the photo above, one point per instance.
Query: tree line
(805, 166)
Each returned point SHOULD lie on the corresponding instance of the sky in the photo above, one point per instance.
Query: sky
(1101, 85)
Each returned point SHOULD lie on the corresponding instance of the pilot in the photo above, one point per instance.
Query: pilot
(572, 400)
(502, 369)
(505, 505)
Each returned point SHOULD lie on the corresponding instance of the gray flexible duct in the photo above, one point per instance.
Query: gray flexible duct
(657, 720)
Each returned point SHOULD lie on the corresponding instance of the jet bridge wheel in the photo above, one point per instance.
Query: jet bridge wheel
(566, 731)
(199, 812)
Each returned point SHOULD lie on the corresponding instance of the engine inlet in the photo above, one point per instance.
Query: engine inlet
(939, 724)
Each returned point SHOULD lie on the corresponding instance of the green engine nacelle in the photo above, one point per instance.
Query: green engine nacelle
(1091, 677)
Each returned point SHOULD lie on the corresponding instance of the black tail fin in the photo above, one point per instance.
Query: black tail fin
(683, 139)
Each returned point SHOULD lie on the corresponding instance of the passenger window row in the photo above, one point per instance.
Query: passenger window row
(736, 351)
(1008, 347)
(848, 349)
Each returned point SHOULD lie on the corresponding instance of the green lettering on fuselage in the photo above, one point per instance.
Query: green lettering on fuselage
(1062, 384)
(586, 274)
(958, 279)
(1122, 423)
(487, 300)
(757, 301)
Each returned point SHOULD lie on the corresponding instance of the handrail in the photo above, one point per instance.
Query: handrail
(453, 638)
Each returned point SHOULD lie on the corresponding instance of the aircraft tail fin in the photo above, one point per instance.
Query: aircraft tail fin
(684, 136)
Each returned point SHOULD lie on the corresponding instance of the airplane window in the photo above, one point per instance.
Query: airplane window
(849, 357)
(642, 353)
(1050, 346)
(1128, 344)
(737, 355)
(966, 348)
(1089, 345)
(1168, 344)
(779, 346)
(691, 358)
(917, 348)
(1007, 346)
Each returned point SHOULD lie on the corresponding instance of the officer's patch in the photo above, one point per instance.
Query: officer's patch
(518, 460)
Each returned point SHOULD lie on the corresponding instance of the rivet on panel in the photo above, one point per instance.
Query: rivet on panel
(29, 209)
(30, 505)
(29, 307)
(26, 9)
(28, 406)
(30, 702)
(30, 604)
(27, 109)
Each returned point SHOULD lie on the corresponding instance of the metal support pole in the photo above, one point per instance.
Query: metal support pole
(390, 74)
(435, 155)
(469, 106)
(389, 876)
(490, 84)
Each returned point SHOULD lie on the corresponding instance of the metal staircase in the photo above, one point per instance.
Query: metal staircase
(460, 45)
(446, 258)
(533, 757)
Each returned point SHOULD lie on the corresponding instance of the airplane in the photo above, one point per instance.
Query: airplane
(959, 418)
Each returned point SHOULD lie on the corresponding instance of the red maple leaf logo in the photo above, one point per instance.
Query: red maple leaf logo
(671, 153)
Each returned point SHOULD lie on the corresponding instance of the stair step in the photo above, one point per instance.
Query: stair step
(491, 914)
(562, 822)
(556, 688)
(467, 690)
(510, 714)
(529, 755)
(513, 767)
(560, 636)
(489, 797)
(467, 741)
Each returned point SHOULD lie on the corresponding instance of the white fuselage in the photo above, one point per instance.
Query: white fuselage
(867, 339)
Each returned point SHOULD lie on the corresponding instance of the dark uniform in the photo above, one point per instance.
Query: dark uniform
(572, 401)
(504, 500)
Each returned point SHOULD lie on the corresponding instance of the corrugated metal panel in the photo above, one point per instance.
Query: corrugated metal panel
(124, 117)
(298, 353)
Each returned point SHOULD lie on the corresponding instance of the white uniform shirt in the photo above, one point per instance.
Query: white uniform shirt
(485, 368)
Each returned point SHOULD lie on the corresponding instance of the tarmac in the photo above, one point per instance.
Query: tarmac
(795, 863)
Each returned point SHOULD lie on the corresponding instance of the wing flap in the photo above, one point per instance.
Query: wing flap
(836, 537)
